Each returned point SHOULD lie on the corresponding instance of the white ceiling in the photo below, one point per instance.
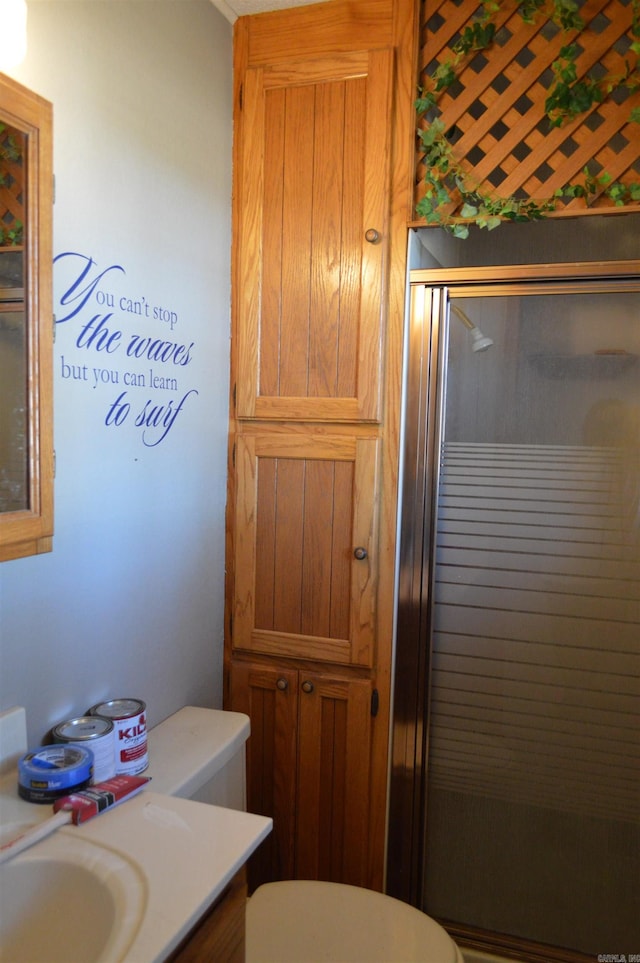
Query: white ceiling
(232, 9)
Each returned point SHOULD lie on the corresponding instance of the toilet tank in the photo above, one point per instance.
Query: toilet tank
(200, 754)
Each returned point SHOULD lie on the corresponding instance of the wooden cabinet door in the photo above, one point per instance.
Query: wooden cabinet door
(269, 696)
(314, 179)
(308, 767)
(305, 567)
(333, 779)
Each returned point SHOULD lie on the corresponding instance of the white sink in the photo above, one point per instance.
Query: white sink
(69, 899)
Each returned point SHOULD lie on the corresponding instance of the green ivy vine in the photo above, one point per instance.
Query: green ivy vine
(449, 186)
(9, 152)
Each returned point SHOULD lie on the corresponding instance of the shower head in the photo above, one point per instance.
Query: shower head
(480, 341)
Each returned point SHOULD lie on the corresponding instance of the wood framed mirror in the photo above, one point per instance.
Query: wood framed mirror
(26, 322)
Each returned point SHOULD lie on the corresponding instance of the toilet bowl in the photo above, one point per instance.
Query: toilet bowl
(200, 754)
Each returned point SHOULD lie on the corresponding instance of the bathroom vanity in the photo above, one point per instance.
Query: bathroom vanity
(220, 934)
(157, 878)
(184, 862)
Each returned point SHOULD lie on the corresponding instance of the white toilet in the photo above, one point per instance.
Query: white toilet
(304, 921)
(200, 754)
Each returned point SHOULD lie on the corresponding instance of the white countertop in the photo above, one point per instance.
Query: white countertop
(190, 851)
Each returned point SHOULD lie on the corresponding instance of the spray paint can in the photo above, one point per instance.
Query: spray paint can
(130, 726)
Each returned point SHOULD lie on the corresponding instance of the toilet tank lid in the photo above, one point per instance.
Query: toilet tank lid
(191, 746)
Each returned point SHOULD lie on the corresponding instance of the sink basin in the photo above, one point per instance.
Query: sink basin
(69, 899)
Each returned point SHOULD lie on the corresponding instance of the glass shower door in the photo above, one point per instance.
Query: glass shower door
(532, 783)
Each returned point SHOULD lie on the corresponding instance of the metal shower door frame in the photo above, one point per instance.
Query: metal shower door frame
(422, 432)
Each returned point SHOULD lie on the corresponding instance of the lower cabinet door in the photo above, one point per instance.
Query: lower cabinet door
(269, 696)
(334, 740)
(308, 767)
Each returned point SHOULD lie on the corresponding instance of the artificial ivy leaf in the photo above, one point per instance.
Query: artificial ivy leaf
(487, 34)
(425, 103)
(528, 9)
(468, 210)
(424, 207)
(617, 193)
(444, 76)
(566, 14)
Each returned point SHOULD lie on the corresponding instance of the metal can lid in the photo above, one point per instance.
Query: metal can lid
(82, 729)
(118, 708)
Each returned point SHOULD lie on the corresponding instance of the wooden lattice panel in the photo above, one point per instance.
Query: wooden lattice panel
(12, 190)
(495, 114)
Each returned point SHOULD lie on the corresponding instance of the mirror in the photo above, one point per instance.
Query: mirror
(26, 322)
(14, 473)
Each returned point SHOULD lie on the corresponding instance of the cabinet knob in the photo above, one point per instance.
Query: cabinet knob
(360, 553)
(282, 684)
(372, 236)
(307, 686)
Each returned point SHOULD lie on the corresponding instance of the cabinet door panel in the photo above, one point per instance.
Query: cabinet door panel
(269, 696)
(314, 175)
(304, 504)
(328, 494)
(288, 548)
(270, 291)
(333, 780)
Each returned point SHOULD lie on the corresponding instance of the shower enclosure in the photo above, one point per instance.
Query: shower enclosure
(514, 814)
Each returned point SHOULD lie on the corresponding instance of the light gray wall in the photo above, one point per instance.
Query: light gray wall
(130, 602)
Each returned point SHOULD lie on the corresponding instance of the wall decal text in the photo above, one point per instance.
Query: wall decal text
(123, 340)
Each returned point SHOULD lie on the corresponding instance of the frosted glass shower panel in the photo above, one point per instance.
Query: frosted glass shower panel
(533, 823)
